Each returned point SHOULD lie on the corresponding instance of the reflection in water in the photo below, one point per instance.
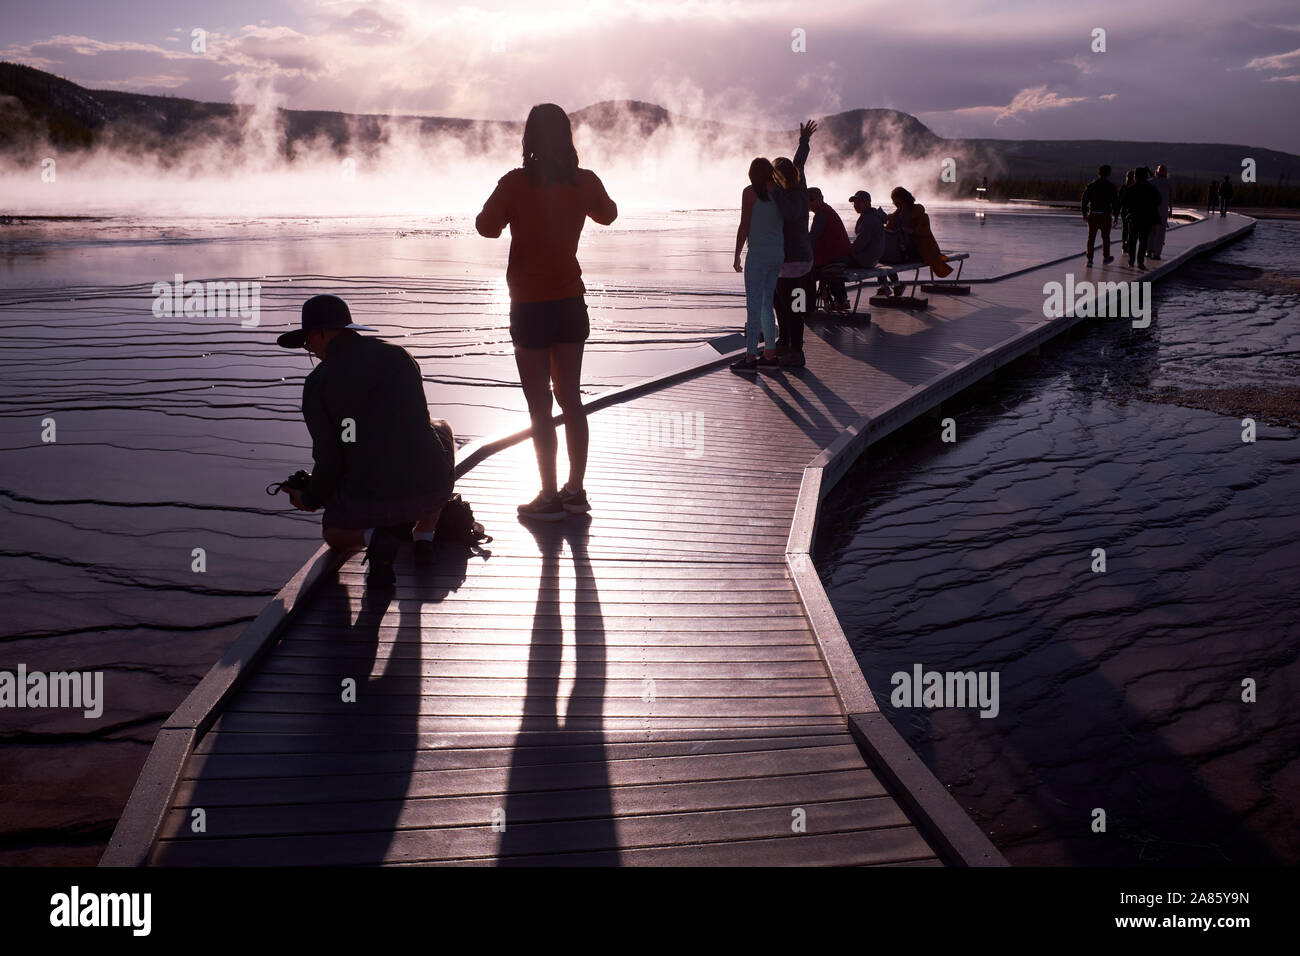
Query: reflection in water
(1119, 690)
(169, 429)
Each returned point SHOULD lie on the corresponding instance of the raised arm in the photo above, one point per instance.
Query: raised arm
(801, 154)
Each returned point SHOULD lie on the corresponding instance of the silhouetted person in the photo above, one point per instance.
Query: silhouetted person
(1212, 205)
(1125, 214)
(1165, 186)
(831, 246)
(910, 219)
(794, 286)
(545, 203)
(381, 465)
(1100, 205)
(1144, 206)
(1225, 195)
(869, 239)
(762, 228)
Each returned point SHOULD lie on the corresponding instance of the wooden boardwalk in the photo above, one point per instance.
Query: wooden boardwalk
(660, 684)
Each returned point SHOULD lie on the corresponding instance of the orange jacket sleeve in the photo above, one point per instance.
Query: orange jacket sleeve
(497, 210)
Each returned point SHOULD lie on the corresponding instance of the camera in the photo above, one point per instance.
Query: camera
(296, 482)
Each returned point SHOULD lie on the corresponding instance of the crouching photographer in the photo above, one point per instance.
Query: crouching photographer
(383, 469)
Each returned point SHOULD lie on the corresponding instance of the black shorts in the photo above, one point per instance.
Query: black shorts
(539, 325)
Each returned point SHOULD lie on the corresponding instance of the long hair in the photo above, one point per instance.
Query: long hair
(549, 155)
(785, 173)
(760, 176)
(899, 193)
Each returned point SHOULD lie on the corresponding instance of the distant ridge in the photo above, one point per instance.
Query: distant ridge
(38, 107)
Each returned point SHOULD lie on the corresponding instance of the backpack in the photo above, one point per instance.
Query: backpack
(456, 525)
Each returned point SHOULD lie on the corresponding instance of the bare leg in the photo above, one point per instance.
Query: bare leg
(535, 376)
(566, 379)
(344, 539)
(430, 521)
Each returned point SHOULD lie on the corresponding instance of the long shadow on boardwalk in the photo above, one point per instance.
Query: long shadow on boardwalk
(556, 770)
(329, 783)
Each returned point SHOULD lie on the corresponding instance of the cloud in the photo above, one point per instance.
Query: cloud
(996, 68)
(1033, 100)
(1280, 61)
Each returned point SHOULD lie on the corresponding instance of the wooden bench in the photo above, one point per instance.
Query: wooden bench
(857, 278)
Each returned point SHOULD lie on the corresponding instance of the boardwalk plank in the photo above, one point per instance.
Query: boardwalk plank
(517, 682)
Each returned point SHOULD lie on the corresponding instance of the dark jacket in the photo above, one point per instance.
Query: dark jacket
(1143, 203)
(1121, 201)
(869, 238)
(829, 238)
(794, 207)
(395, 452)
(1100, 196)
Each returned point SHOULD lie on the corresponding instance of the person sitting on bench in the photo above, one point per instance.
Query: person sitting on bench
(869, 239)
(831, 247)
(917, 242)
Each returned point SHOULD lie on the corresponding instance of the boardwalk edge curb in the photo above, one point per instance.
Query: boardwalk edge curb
(142, 818)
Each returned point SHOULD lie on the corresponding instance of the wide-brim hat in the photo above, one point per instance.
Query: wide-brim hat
(320, 312)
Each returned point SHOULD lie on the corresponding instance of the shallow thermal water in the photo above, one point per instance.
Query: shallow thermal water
(168, 430)
(1119, 690)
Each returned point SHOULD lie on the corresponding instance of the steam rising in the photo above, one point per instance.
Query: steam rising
(244, 168)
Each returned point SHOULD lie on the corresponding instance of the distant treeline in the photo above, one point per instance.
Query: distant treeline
(1187, 192)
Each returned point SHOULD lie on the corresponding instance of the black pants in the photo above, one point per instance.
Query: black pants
(1141, 232)
(1126, 242)
(833, 287)
(1099, 222)
(790, 313)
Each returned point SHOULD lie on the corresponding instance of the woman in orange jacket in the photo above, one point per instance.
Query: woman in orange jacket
(909, 217)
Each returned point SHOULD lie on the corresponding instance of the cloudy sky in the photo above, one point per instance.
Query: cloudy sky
(1185, 70)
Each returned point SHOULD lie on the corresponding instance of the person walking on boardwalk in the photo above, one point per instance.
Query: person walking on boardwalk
(1144, 204)
(761, 227)
(1100, 205)
(1125, 214)
(545, 203)
(1225, 196)
(381, 464)
(794, 289)
(1165, 187)
(1213, 203)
